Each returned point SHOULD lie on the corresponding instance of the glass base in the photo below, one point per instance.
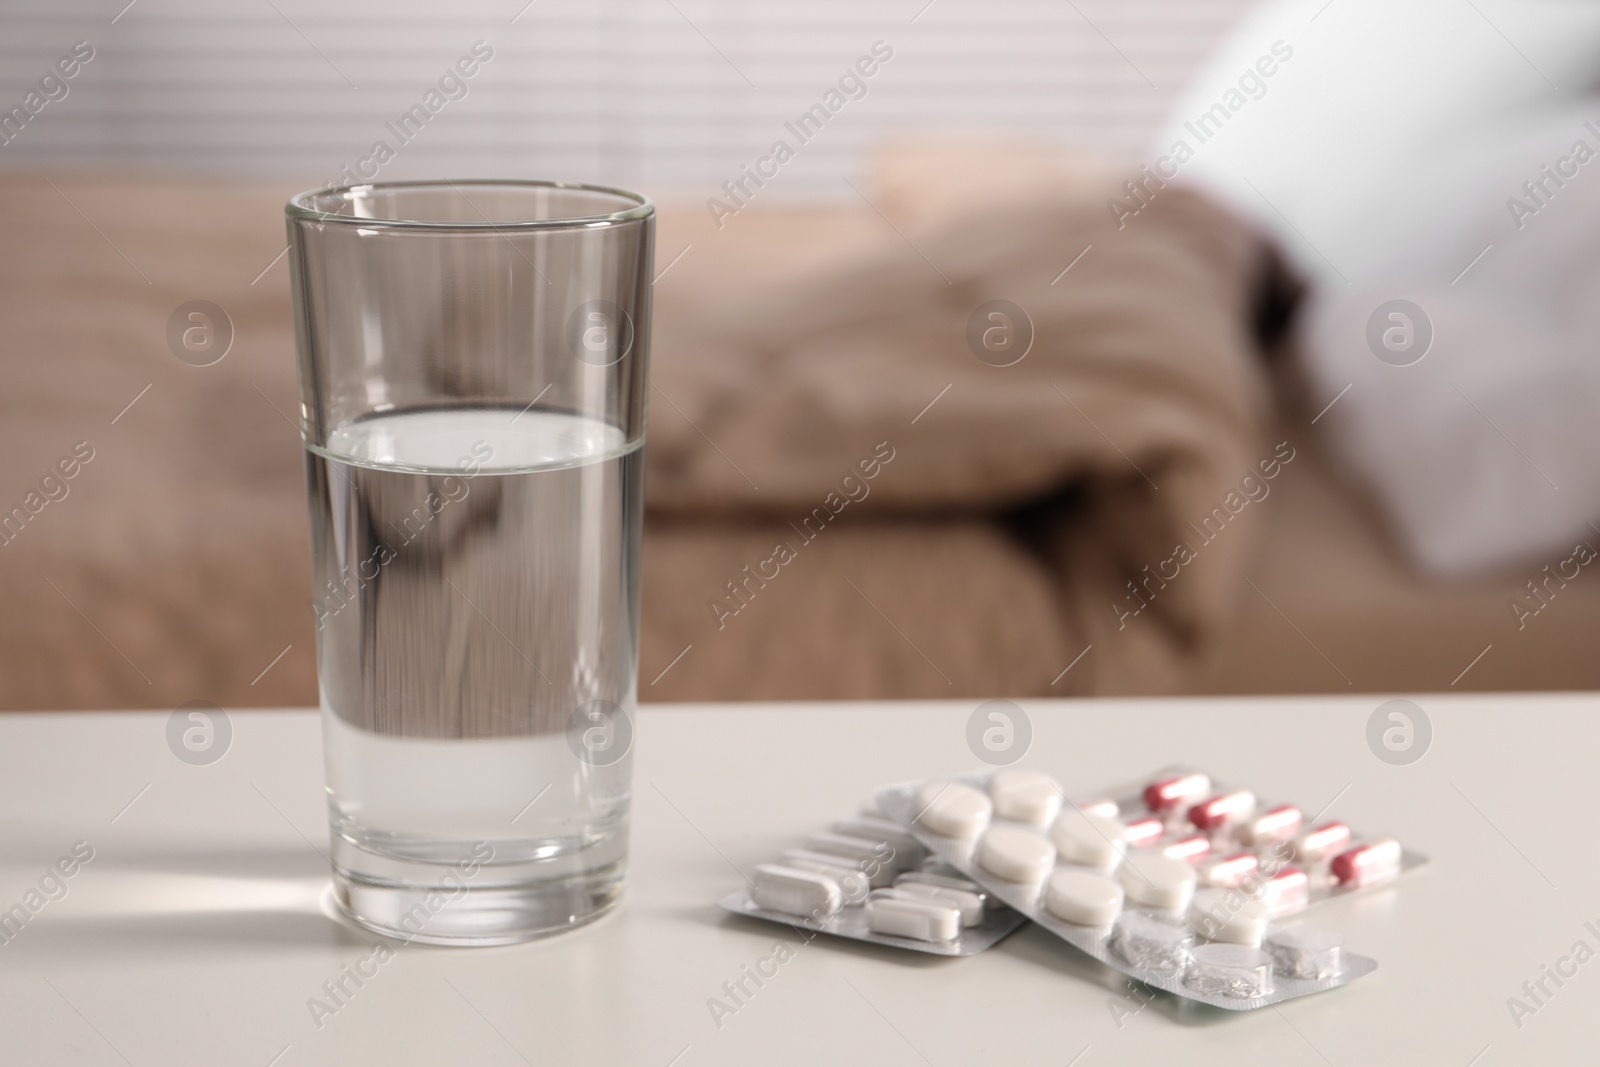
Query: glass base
(431, 903)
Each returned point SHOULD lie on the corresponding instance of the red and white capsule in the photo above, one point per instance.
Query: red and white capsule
(1223, 810)
(1166, 794)
(1228, 872)
(1192, 848)
(1365, 864)
(1273, 825)
(1320, 842)
(1142, 833)
(1287, 891)
(1106, 809)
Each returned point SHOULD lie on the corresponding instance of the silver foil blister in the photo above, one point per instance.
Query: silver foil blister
(1232, 980)
(851, 922)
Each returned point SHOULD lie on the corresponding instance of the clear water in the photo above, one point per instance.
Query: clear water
(475, 575)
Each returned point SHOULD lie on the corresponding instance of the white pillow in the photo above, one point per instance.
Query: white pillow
(1388, 153)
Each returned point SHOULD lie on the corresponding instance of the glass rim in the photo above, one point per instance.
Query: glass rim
(297, 205)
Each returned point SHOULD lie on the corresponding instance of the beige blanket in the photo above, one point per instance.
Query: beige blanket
(793, 347)
(947, 526)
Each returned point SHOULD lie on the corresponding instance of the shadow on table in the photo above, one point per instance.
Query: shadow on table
(168, 899)
(287, 862)
(64, 937)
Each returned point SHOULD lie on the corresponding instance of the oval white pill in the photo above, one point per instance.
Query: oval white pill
(951, 809)
(1026, 796)
(809, 859)
(1228, 915)
(922, 920)
(858, 849)
(794, 891)
(787, 857)
(954, 879)
(853, 882)
(1015, 854)
(970, 905)
(877, 858)
(1086, 898)
(1092, 840)
(892, 834)
(1157, 881)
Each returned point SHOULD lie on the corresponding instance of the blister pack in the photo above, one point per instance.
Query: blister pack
(1186, 885)
(868, 879)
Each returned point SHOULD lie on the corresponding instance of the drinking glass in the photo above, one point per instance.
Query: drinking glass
(473, 359)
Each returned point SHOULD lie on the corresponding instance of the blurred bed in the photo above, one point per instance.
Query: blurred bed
(1021, 532)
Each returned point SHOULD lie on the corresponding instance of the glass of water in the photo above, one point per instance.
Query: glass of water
(472, 372)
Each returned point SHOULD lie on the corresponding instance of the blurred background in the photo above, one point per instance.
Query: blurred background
(1202, 347)
(648, 94)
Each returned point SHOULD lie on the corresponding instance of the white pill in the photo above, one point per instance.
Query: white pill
(951, 809)
(970, 905)
(1228, 915)
(1016, 854)
(810, 859)
(922, 920)
(877, 858)
(853, 882)
(1092, 840)
(892, 834)
(1086, 898)
(1026, 796)
(795, 892)
(948, 877)
(859, 849)
(1157, 881)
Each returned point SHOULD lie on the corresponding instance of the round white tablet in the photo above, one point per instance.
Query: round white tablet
(1015, 854)
(1228, 915)
(1157, 881)
(1086, 898)
(951, 809)
(1026, 796)
(1092, 840)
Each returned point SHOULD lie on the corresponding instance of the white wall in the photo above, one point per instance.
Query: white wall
(628, 91)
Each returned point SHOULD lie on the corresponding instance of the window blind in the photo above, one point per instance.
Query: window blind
(668, 95)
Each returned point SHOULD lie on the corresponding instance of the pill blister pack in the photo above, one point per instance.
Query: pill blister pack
(868, 879)
(1186, 885)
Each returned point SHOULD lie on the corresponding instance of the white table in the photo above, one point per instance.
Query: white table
(199, 930)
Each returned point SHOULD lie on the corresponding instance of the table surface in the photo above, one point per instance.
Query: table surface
(200, 929)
